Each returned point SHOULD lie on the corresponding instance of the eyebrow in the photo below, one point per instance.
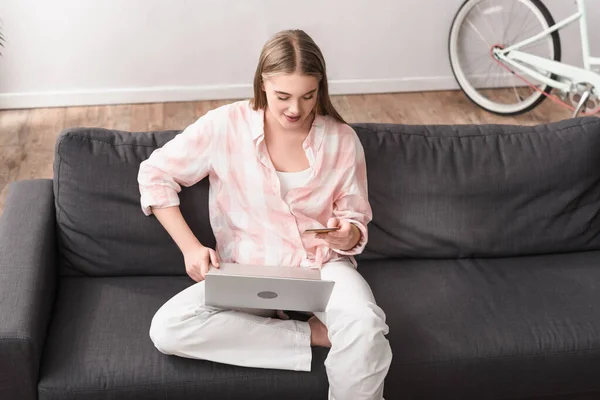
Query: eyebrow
(287, 94)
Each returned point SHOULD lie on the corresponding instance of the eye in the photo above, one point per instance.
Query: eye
(282, 98)
(309, 97)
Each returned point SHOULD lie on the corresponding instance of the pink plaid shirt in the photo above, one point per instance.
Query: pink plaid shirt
(251, 221)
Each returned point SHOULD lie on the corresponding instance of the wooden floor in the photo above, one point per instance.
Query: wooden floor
(27, 137)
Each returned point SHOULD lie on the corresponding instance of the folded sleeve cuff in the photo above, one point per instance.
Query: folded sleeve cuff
(158, 198)
(362, 242)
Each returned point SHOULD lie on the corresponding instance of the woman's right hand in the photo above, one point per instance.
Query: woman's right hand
(198, 261)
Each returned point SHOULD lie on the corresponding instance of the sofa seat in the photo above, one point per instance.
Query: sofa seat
(495, 328)
(98, 348)
(470, 326)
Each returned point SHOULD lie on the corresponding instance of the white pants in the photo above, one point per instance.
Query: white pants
(358, 360)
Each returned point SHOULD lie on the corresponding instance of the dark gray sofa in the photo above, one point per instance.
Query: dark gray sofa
(484, 253)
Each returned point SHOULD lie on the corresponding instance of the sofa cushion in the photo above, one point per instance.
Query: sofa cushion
(436, 192)
(101, 228)
(98, 348)
(483, 190)
(505, 328)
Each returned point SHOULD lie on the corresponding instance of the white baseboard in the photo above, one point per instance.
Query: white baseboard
(156, 94)
(161, 94)
(412, 84)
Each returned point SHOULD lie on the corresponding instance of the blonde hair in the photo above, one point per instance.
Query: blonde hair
(288, 52)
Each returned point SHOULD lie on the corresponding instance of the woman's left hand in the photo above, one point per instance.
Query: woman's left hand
(343, 239)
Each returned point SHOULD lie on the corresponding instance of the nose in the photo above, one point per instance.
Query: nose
(294, 108)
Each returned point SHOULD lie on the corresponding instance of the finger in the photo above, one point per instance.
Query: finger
(323, 236)
(335, 242)
(330, 241)
(197, 272)
(333, 222)
(332, 235)
(204, 267)
(192, 274)
(190, 268)
(342, 233)
(213, 258)
(328, 237)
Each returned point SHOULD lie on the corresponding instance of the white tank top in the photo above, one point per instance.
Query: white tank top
(292, 180)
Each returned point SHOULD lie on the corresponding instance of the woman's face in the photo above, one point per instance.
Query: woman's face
(291, 99)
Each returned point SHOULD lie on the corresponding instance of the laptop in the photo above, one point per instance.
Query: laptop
(234, 286)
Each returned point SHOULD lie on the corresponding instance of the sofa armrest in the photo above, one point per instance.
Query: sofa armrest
(28, 277)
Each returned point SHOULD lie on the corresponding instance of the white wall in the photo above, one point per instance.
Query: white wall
(66, 52)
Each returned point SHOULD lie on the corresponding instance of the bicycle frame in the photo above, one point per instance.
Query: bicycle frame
(512, 56)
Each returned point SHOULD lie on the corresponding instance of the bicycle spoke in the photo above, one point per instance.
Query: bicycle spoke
(474, 71)
(506, 25)
(489, 75)
(498, 83)
(479, 56)
(510, 19)
(526, 20)
(479, 33)
(523, 35)
(516, 93)
(487, 22)
(503, 22)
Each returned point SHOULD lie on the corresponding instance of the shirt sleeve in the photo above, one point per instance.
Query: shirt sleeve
(352, 203)
(183, 161)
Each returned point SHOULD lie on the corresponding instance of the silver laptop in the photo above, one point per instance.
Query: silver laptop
(266, 287)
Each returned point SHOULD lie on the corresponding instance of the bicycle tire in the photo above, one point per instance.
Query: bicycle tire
(556, 44)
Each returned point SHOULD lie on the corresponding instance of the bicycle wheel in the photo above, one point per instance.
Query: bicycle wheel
(481, 25)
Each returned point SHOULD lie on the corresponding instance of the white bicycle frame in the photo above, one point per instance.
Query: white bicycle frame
(543, 66)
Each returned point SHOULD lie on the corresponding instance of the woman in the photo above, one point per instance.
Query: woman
(278, 164)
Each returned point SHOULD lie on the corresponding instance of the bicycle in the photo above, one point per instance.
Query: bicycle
(506, 57)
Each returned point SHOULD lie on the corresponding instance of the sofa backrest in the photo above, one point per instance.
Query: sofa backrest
(436, 192)
(483, 190)
(102, 230)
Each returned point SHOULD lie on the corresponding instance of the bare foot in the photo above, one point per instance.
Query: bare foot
(282, 315)
(318, 333)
